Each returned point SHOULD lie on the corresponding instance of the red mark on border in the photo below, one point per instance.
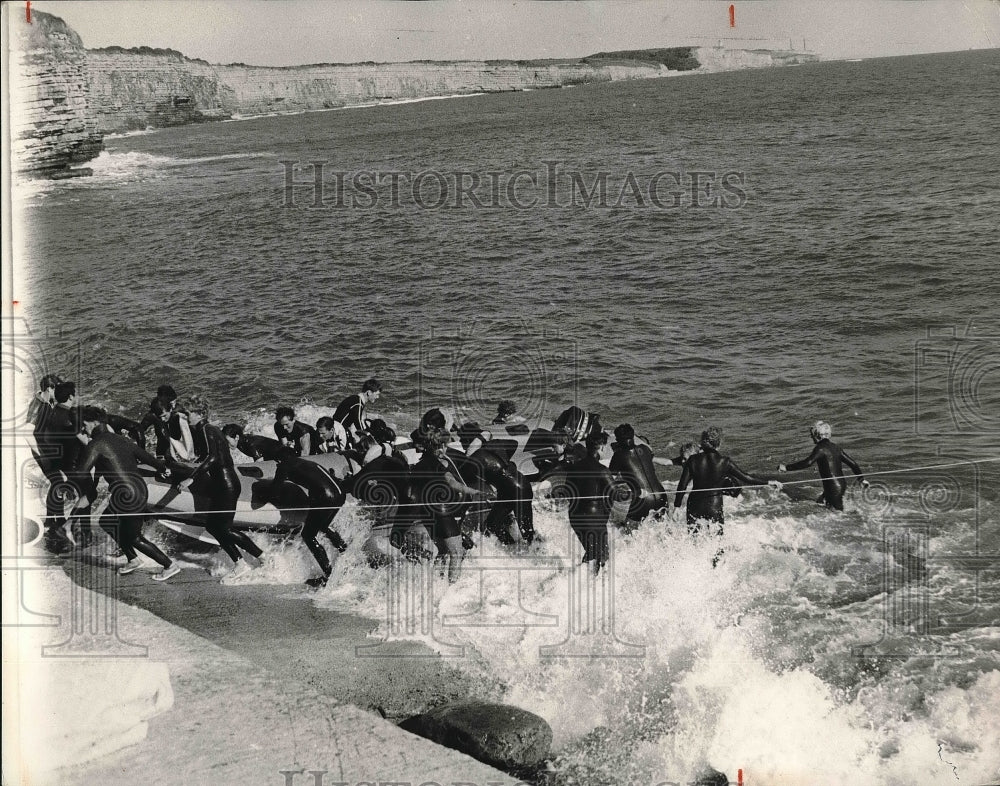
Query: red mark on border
(732, 16)
(27, 11)
(739, 773)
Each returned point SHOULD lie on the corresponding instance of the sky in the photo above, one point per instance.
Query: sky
(296, 32)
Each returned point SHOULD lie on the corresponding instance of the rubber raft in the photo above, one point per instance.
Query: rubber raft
(263, 508)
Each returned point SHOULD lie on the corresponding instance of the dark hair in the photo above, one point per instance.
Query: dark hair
(575, 452)
(371, 384)
(382, 431)
(562, 435)
(364, 443)
(64, 390)
(157, 407)
(712, 437)
(596, 439)
(625, 432)
(49, 381)
(90, 414)
(506, 407)
(468, 433)
(284, 412)
(432, 419)
(232, 430)
(166, 392)
(324, 422)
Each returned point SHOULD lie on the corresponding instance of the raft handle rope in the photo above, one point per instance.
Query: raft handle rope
(173, 514)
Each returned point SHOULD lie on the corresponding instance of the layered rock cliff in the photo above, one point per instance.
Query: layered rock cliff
(139, 88)
(51, 124)
(64, 98)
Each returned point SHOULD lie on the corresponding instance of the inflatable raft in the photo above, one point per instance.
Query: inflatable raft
(263, 508)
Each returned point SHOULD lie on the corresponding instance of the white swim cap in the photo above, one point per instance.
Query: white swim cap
(821, 430)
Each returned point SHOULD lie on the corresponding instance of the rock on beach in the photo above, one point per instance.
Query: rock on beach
(502, 736)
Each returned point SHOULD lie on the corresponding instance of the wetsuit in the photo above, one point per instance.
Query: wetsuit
(116, 459)
(590, 484)
(578, 422)
(258, 447)
(172, 429)
(351, 415)
(39, 412)
(326, 497)
(119, 424)
(59, 453)
(217, 479)
(432, 420)
(709, 470)
(730, 490)
(442, 504)
(383, 485)
(514, 492)
(829, 459)
(634, 462)
(294, 437)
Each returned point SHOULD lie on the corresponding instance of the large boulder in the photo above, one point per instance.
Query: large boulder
(505, 737)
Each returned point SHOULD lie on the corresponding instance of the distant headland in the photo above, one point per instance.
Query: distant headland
(68, 97)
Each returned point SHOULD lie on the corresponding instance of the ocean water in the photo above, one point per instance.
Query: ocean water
(824, 246)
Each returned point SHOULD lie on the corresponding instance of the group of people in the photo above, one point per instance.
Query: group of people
(477, 486)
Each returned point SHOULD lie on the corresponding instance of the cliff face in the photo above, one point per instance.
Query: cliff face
(52, 126)
(65, 97)
(133, 89)
(136, 89)
(717, 58)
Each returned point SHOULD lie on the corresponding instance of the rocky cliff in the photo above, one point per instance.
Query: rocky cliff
(51, 124)
(139, 88)
(65, 97)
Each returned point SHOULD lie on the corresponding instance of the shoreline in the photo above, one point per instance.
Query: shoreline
(702, 70)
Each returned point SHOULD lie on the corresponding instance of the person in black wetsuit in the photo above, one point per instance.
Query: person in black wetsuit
(173, 433)
(432, 421)
(510, 518)
(580, 423)
(351, 411)
(507, 413)
(382, 486)
(255, 446)
(216, 478)
(44, 400)
(547, 449)
(443, 494)
(326, 497)
(590, 487)
(59, 449)
(829, 459)
(126, 427)
(294, 434)
(634, 463)
(710, 471)
(116, 459)
(688, 449)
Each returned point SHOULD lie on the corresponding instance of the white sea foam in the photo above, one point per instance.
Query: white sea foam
(124, 166)
(745, 666)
